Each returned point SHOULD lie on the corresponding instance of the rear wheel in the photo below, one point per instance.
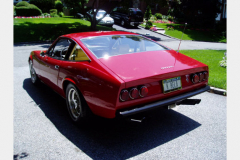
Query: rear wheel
(76, 104)
(33, 74)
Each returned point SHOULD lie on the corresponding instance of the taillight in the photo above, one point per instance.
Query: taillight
(124, 95)
(143, 91)
(201, 77)
(195, 78)
(205, 75)
(133, 93)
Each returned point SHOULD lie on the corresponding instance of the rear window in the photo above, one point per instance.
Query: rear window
(107, 46)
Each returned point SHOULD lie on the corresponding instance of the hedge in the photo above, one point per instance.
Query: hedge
(22, 4)
(31, 10)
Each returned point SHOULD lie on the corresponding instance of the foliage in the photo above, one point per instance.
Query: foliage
(201, 13)
(217, 74)
(223, 63)
(61, 14)
(44, 5)
(42, 29)
(76, 6)
(148, 25)
(45, 14)
(148, 13)
(170, 18)
(26, 9)
(158, 15)
(22, 4)
(58, 5)
(170, 28)
(53, 11)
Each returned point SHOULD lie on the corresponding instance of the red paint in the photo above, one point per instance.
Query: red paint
(101, 80)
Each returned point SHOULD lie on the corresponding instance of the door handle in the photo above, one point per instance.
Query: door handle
(56, 67)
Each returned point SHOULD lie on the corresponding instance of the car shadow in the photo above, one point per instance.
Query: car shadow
(102, 138)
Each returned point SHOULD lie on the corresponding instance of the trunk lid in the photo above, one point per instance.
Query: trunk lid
(149, 65)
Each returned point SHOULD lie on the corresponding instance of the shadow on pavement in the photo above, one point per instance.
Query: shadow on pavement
(116, 138)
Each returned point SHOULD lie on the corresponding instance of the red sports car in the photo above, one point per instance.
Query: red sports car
(116, 73)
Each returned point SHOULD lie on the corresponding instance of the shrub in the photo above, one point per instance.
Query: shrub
(22, 4)
(53, 11)
(148, 25)
(158, 15)
(31, 10)
(59, 6)
(45, 14)
(148, 13)
(61, 14)
(170, 18)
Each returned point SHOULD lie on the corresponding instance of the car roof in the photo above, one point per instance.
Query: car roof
(96, 33)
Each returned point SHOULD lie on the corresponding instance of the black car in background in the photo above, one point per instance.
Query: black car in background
(130, 16)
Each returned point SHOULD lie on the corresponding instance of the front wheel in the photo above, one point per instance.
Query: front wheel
(75, 103)
(33, 74)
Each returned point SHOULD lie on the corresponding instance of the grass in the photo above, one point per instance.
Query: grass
(209, 36)
(41, 29)
(217, 74)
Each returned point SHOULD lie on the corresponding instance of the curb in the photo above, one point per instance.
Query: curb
(218, 91)
(180, 39)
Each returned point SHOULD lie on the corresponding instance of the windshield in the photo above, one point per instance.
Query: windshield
(107, 46)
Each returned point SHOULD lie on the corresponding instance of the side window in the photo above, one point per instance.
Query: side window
(60, 49)
(78, 54)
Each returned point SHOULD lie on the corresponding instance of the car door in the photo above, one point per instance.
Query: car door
(51, 62)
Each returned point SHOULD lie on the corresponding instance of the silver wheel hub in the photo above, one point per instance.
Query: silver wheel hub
(74, 103)
(32, 72)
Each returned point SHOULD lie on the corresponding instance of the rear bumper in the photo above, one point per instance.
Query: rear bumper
(163, 103)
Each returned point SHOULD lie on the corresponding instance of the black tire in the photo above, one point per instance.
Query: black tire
(76, 104)
(33, 74)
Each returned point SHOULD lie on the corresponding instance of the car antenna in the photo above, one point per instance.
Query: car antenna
(181, 38)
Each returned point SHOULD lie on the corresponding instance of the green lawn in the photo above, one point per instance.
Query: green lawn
(41, 29)
(217, 74)
(189, 34)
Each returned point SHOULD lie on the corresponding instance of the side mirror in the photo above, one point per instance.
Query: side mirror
(42, 54)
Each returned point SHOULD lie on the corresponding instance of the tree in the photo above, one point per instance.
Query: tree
(199, 13)
(148, 13)
(95, 10)
(44, 5)
(76, 5)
